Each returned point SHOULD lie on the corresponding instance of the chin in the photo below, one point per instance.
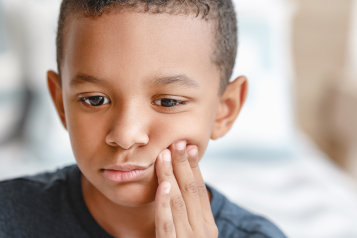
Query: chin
(132, 194)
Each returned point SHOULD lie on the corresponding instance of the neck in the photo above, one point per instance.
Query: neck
(119, 221)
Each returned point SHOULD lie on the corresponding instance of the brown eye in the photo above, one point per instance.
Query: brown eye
(165, 102)
(96, 100)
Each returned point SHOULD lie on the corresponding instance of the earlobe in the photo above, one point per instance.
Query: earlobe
(231, 103)
(55, 89)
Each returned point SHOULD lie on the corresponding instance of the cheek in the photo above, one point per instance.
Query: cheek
(87, 132)
(195, 128)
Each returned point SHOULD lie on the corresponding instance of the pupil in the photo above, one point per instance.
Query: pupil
(96, 101)
(168, 102)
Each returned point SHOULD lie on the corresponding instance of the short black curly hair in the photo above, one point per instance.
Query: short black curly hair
(221, 12)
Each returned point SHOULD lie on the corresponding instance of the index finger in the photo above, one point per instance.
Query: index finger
(192, 152)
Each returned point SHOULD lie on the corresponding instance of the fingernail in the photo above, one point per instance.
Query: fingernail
(166, 156)
(192, 152)
(167, 187)
(180, 145)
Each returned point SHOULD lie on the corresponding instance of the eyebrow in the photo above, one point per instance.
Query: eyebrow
(180, 79)
(82, 78)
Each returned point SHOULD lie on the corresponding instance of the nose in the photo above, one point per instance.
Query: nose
(129, 129)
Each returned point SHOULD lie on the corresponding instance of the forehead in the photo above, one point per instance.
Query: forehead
(138, 45)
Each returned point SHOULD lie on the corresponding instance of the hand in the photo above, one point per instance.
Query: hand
(182, 206)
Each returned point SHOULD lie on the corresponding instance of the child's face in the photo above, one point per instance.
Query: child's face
(137, 67)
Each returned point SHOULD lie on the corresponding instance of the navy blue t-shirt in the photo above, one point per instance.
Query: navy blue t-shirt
(52, 205)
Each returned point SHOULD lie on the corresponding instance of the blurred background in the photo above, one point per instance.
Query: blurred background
(292, 154)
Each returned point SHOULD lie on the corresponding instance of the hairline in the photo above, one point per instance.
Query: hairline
(138, 8)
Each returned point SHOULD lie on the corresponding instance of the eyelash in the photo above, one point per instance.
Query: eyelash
(84, 102)
(179, 103)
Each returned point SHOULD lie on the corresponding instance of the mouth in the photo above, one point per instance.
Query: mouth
(125, 173)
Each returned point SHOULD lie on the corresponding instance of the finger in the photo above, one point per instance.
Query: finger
(187, 183)
(178, 208)
(164, 223)
(192, 152)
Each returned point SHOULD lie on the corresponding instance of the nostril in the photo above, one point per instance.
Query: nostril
(113, 144)
(126, 136)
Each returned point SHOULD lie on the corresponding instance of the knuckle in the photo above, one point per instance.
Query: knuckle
(201, 187)
(181, 157)
(165, 205)
(168, 173)
(168, 227)
(191, 187)
(178, 203)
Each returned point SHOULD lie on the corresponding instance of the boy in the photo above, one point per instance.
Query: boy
(142, 87)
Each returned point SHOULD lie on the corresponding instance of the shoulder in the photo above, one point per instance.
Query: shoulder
(41, 205)
(33, 195)
(39, 183)
(235, 222)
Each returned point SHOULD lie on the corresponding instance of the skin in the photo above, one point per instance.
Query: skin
(130, 64)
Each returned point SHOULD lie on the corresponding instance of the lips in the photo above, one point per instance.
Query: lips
(124, 173)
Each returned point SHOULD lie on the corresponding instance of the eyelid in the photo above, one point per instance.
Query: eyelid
(167, 96)
(80, 96)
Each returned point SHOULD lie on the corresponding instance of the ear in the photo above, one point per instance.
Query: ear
(55, 89)
(231, 103)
